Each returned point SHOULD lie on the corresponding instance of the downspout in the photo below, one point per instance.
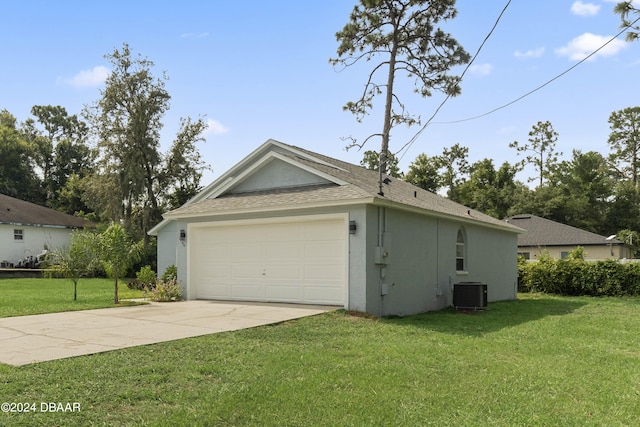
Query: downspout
(382, 273)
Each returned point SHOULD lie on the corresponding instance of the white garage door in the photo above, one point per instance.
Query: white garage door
(302, 260)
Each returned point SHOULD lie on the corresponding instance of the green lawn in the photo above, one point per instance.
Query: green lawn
(19, 297)
(539, 361)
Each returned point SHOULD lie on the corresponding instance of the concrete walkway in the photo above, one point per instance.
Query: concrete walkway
(42, 337)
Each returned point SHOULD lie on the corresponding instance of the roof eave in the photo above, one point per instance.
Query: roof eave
(279, 208)
(471, 220)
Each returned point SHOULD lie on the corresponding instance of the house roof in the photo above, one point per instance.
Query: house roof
(544, 232)
(344, 183)
(18, 212)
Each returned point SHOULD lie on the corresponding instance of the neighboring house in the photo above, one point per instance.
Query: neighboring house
(289, 225)
(27, 230)
(559, 239)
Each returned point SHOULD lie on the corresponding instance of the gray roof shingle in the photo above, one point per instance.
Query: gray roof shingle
(544, 232)
(16, 211)
(362, 184)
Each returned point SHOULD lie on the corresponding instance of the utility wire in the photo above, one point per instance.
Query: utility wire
(415, 137)
(544, 84)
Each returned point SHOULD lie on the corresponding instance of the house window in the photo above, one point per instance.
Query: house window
(564, 254)
(460, 252)
(525, 255)
(18, 234)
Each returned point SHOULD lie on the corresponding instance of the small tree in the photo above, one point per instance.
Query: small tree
(117, 253)
(76, 260)
(542, 143)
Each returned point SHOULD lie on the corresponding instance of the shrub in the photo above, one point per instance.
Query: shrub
(575, 276)
(146, 276)
(135, 284)
(171, 273)
(166, 290)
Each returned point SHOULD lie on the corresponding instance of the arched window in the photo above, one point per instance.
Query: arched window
(461, 264)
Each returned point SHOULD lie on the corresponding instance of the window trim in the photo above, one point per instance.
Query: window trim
(18, 234)
(461, 246)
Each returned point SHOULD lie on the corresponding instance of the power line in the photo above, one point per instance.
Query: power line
(415, 137)
(544, 84)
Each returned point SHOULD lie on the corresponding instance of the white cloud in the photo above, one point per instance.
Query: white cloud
(481, 69)
(88, 78)
(532, 53)
(583, 45)
(214, 127)
(584, 9)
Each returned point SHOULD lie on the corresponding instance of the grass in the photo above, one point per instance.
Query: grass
(20, 297)
(539, 361)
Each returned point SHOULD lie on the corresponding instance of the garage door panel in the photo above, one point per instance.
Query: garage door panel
(246, 271)
(291, 293)
(323, 248)
(247, 291)
(213, 290)
(323, 294)
(283, 272)
(323, 230)
(247, 251)
(213, 271)
(285, 232)
(302, 260)
(243, 234)
(322, 274)
(280, 250)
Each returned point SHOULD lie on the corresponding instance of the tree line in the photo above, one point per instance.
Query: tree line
(591, 190)
(105, 164)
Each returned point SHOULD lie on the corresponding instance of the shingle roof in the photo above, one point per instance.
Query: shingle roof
(16, 211)
(544, 232)
(361, 185)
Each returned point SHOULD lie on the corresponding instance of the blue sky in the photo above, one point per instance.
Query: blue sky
(259, 70)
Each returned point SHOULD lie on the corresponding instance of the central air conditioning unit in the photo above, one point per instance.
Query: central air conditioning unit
(470, 295)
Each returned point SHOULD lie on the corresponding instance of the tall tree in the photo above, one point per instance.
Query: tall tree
(184, 164)
(580, 189)
(542, 143)
(60, 147)
(424, 172)
(491, 191)
(624, 141)
(128, 120)
(624, 210)
(455, 168)
(17, 168)
(405, 36)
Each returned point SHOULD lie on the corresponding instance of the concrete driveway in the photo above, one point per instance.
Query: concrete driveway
(42, 337)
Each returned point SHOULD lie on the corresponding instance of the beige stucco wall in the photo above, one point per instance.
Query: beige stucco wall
(590, 252)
